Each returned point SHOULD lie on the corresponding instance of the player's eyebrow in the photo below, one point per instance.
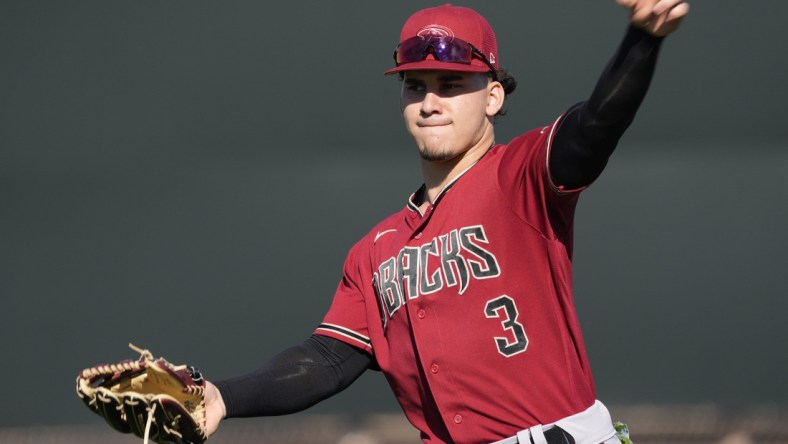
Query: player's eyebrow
(450, 77)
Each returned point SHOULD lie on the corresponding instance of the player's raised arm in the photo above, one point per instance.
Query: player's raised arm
(590, 130)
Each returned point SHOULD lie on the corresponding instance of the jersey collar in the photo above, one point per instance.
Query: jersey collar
(418, 197)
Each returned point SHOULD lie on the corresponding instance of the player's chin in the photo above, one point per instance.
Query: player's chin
(436, 154)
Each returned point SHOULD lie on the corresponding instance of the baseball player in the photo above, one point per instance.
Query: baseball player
(463, 298)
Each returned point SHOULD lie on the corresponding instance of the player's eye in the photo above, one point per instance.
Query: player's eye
(451, 88)
(414, 86)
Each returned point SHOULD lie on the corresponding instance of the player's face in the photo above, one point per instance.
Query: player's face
(449, 113)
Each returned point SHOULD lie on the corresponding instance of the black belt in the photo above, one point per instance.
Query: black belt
(555, 435)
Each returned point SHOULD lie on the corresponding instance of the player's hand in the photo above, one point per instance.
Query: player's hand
(215, 410)
(657, 17)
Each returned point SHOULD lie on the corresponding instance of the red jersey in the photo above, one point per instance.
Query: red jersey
(467, 308)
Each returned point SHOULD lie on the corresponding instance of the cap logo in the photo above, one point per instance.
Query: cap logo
(435, 31)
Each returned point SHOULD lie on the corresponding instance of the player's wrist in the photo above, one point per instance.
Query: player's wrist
(216, 410)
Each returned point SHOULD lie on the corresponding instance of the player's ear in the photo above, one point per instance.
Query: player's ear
(495, 98)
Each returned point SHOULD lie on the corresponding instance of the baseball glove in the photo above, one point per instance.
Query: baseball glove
(152, 399)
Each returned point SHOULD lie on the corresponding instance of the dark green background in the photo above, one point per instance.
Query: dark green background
(189, 175)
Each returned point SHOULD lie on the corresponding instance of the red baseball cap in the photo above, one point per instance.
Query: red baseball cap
(450, 22)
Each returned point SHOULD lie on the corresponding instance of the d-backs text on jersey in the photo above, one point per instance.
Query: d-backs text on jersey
(448, 260)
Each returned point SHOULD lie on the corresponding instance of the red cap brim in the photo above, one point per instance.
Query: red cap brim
(433, 64)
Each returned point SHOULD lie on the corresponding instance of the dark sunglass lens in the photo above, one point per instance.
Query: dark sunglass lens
(412, 50)
(451, 50)
(460, 53)
(446, 50)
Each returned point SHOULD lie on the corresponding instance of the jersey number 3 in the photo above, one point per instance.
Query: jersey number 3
(503, 308)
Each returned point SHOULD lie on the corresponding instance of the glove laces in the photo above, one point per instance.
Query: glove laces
(148, 423)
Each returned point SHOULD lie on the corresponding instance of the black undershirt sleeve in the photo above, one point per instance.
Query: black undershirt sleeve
(295, 379)
(590, 130)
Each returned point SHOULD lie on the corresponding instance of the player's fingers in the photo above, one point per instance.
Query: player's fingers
(679, 12)
(641, 17)
(639, 10)
(642, 11)
(669, 19)
(663, 6)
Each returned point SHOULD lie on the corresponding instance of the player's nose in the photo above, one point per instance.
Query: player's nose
(431, 104)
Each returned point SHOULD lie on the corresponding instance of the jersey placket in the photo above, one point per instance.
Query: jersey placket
(423, 317)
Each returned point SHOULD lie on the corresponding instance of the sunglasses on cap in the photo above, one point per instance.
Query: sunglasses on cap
(445, 49)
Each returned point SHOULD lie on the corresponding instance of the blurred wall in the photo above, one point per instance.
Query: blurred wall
(189, 175)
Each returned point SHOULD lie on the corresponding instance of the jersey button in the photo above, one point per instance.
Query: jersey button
(417, 235)
(434, 368)
(457, 419)
(422, 314)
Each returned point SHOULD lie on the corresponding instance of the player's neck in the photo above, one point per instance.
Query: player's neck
(439, 174)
